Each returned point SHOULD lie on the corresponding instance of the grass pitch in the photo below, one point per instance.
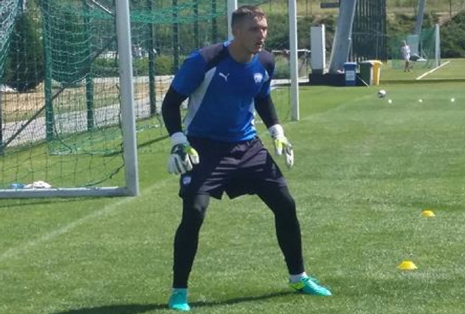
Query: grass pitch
(365, 169)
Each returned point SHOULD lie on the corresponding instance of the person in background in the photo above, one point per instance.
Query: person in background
(405, 50)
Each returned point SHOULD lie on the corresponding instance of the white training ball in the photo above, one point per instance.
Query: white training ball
(381, 93)
(390, 101)
(420, 100)
(452, 99)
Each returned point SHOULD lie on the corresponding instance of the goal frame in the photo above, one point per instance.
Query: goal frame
(293, 53)
(128, 121)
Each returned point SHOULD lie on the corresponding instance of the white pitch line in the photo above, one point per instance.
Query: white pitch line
(65, 229)
(431, 71)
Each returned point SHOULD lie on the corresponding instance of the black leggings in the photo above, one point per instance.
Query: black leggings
(194, 208)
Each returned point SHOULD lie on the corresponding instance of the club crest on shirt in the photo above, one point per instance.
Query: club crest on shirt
(258, 77)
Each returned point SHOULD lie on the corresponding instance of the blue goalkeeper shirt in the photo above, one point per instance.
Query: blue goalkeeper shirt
(222, 92)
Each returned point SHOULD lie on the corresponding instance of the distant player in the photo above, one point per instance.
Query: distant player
(405, 50)
(219, 150)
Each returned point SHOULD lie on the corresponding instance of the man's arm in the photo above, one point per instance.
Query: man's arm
(186, 81)
(191, 74)
(171, 112)
(183, 157)
(266, 110)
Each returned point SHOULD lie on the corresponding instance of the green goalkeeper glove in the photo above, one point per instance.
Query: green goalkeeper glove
(183, 156)
(282, 145)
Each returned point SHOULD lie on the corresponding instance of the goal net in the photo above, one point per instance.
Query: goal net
(164, 33)
(424, 48)
(61, 96)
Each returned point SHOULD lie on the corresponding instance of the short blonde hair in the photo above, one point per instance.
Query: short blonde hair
(246, 11)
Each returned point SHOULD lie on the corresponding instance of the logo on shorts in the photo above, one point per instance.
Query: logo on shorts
(258, 77)
(186, 180)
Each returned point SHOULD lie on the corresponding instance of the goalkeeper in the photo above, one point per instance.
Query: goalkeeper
(219, 150)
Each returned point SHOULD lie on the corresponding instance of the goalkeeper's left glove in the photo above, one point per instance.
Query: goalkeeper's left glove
(282, 144)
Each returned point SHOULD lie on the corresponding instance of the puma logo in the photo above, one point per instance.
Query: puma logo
(225, 76)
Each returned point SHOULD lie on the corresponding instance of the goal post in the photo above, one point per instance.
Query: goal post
(128, 120)
(437, 45)
(295, 112)
(232, 5)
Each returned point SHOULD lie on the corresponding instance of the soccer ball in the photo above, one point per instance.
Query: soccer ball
(381, 93)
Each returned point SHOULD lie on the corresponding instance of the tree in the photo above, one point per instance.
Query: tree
(25, 66)
(452, 34)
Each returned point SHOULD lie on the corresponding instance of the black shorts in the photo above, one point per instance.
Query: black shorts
(234, 168)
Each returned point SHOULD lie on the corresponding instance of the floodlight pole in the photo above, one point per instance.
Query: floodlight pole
(343, 36)
(123, 29)
(232, 6)
(294, 59)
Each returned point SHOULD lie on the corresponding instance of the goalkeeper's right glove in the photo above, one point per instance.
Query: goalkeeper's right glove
(183, 156)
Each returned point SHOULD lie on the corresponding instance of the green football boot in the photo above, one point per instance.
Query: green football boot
(178, 300)
(309, 285)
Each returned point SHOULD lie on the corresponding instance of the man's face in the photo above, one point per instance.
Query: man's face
(251, 34)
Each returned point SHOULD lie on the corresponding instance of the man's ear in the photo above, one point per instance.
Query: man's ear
(236, 30)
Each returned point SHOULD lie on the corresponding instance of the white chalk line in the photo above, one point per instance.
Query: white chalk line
(66, 228)
(431, 71)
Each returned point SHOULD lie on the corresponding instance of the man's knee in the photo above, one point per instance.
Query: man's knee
(194, 209)
(280, 202)
(287, 205)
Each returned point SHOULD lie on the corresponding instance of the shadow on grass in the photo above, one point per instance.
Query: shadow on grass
(23, 202)
(144, 308)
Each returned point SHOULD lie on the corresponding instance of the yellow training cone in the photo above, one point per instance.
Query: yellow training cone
(428, 213)
(407, 265)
